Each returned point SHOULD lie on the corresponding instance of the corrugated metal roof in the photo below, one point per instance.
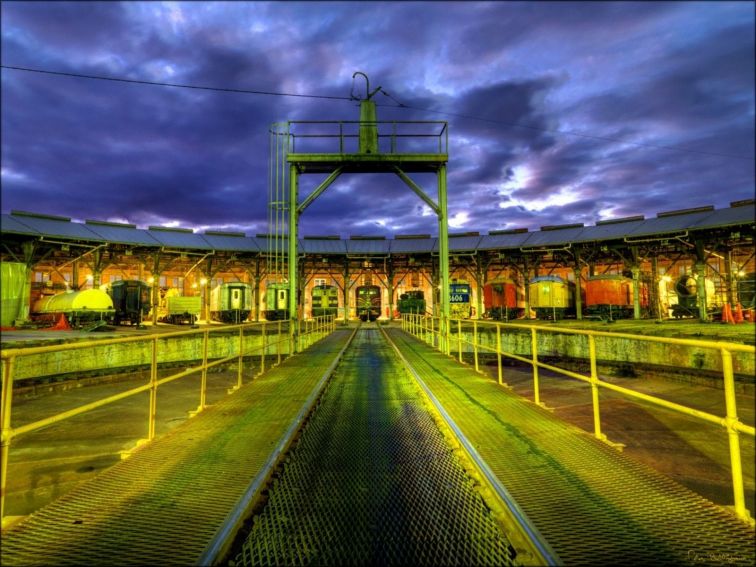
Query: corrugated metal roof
(10, 225)
(20, 222)
(121, 233)
(54, 226)
(609, 230)
(412, 245)
(460, 243)
(235, 242)
(725, 217)
(261, 241)
(553, 237)
(669, 223)
(322, 246)
(178, 238)
(501, 241)
(367, 246)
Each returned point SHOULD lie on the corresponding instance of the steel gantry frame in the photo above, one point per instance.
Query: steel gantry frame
(377, 150)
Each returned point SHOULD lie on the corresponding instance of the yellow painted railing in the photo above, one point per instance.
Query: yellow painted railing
(428, 329)
(272, 343)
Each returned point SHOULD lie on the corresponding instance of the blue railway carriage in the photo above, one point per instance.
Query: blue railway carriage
(277, 302)
(325, 300)
(368, 302)
(459, 300)
(231, 302)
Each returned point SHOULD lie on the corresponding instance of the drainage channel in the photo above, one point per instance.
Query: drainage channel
(372, 479)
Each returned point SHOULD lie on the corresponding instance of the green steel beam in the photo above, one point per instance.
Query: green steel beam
(443, 257)
(293, 228)
(319, 190)
(418, 191)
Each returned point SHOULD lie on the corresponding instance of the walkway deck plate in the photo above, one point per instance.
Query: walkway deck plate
(591, 503)
(165, 504)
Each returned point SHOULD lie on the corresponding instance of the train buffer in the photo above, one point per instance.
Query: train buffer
(170, 501)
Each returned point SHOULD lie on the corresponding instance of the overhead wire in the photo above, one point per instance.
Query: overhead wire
(398, 104)
(163, 84)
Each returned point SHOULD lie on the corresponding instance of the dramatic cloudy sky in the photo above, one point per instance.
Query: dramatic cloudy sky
(558, 112)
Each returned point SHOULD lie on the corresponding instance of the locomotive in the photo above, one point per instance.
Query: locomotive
(131, 301)
(368, 302)
(686, 289)
(611, 296)
(79, 307)
(459, 299)
(325, 300)
(277, 301)
(411, 302)
(503, 299)
(231, 302)
(551, 297)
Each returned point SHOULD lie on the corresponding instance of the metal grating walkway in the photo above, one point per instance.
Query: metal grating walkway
(165, 504)
(373, 481)
(590, 502)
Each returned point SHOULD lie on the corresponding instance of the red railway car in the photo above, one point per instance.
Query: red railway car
(503, 299)
(611, 296)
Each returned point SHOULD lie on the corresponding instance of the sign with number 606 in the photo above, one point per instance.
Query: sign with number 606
(459, 298)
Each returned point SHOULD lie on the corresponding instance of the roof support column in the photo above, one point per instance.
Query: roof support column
(293, 273)
(347, 288)
(636, 291)
(654, 301)
(578, 281)
(526, 284)
(730, 283)
(701, 290)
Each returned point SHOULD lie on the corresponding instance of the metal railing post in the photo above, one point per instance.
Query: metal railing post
(498, 352)
(459, 338)
(153, 391)
(264, 347)
(432, 333)
(241, 358)
(7, 432)
(534, 354)
(447, 335)
(594, 388)
(203, 385)
(475, 344)
(278, 342)
(731, 419)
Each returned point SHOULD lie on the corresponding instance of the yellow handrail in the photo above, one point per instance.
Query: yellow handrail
(317, 329)
(730, 422)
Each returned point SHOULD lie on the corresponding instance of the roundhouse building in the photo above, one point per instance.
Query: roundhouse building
(710, 245)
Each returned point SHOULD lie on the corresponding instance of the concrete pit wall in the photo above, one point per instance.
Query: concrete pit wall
(609, 352)
(132, 356)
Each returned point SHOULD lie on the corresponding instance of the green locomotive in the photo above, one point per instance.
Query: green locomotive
(325, 300)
